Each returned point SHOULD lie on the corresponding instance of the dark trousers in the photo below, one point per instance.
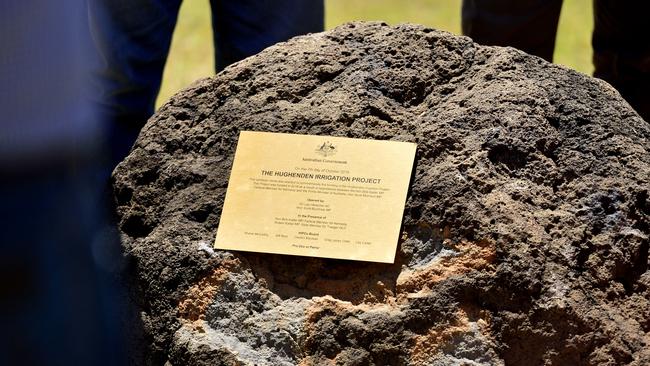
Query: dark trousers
(61, 297)
(133, 38)
(621, 38)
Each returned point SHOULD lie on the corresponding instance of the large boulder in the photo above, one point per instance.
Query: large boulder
(525, 234)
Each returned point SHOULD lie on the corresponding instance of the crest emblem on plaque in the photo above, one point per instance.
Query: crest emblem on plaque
(326, 149)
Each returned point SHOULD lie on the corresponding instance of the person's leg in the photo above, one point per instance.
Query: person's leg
(132, 39)
(529, 25)
(621, 42)
(244, 27)
(61, 302)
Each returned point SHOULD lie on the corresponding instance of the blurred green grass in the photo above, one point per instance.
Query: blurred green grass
(191, 56)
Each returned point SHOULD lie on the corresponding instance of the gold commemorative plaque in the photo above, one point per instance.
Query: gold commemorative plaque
(318, 196)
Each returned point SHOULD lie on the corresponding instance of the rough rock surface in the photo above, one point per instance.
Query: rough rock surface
(525, 234)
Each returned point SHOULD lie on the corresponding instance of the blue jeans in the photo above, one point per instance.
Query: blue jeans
(133, 38)
(61, 297)
(62, 300)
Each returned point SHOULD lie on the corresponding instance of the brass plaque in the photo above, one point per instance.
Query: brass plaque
(317, 196)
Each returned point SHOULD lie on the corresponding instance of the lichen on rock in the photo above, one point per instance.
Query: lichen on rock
(526, 229)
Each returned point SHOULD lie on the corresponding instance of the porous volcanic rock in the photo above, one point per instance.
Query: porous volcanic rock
(525, 234)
